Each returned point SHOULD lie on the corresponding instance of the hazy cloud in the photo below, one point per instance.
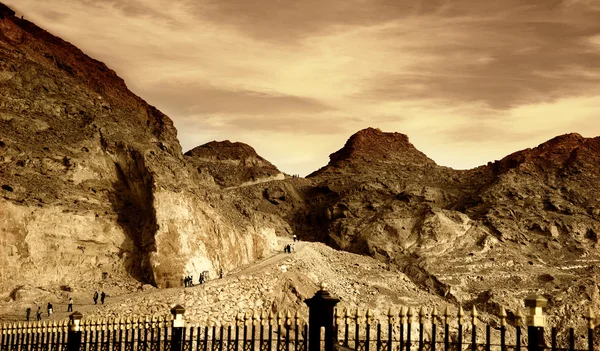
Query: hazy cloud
(193, 98)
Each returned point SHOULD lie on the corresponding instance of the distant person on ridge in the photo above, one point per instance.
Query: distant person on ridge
(38, 314)
(28, 312)
(102, 296)
(70, 308)
(49, 309)
(95, 298)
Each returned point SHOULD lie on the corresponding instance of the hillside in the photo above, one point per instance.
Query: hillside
(93, 180)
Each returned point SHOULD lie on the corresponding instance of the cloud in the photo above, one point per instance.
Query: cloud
(197, 98)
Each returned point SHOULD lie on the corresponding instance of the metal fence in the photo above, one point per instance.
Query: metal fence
(326, 329)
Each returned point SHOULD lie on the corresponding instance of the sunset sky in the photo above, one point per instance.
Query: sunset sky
(469, 81)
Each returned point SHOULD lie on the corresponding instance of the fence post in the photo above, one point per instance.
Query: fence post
(74, 336)
(320, 314)
(590, 316)
(535, 322)
(178, 325)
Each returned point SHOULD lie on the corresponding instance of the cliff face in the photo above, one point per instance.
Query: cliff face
(93, 179)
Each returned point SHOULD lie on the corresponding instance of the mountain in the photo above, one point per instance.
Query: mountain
(231, 164)
(95, 192)
(94, 186)
(491, 235)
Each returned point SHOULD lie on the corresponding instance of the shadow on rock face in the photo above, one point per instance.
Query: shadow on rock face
(132, 202)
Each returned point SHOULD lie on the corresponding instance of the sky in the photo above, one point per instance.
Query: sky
(469, 81)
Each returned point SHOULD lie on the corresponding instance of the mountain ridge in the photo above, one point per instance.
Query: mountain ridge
(95, 192)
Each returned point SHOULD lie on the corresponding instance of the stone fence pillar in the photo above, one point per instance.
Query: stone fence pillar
(178, 325)
(74, 335)
(536, 321)
(320, 314)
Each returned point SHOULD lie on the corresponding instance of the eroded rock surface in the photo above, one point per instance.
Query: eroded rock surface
(93, 180)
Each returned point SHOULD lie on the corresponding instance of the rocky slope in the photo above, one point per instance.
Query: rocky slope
(230, 164)
(525, 224)
(93, 180)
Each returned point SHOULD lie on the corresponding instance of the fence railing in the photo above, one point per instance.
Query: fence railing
(405, 330)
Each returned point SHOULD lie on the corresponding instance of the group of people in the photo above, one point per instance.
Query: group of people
(102, 297)
(189, 280)
(38, 313)
(291, 247)
(50, 310)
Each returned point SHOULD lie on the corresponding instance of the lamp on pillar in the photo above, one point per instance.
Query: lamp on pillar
(178, 324)
(320, 314)
(75, 321)
(74, 336)
(536, 321)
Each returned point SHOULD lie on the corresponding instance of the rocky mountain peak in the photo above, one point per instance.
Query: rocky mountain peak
(223, 150)
(372, 146)
(555, 155)
(231, 164)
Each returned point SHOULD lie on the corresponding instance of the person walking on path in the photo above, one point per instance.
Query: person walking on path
(28, 312)
(95, 298)
(70, 308)
(38, 314)
(49, 309)
(102, 296)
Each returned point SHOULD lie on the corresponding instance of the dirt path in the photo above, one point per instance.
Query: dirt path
(271, 260)
(83, 302)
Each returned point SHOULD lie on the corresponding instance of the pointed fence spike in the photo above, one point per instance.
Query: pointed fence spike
(403, 311)
(258, 317)
(591, 318)
(357, 316)
(503, 316)
(422, 314)
(474, 315)
(297, 318)
(410, 314)
(403, 314)
(271, 318)
(288, 318)
(519, 316)
(434, 314)
(460, 315)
